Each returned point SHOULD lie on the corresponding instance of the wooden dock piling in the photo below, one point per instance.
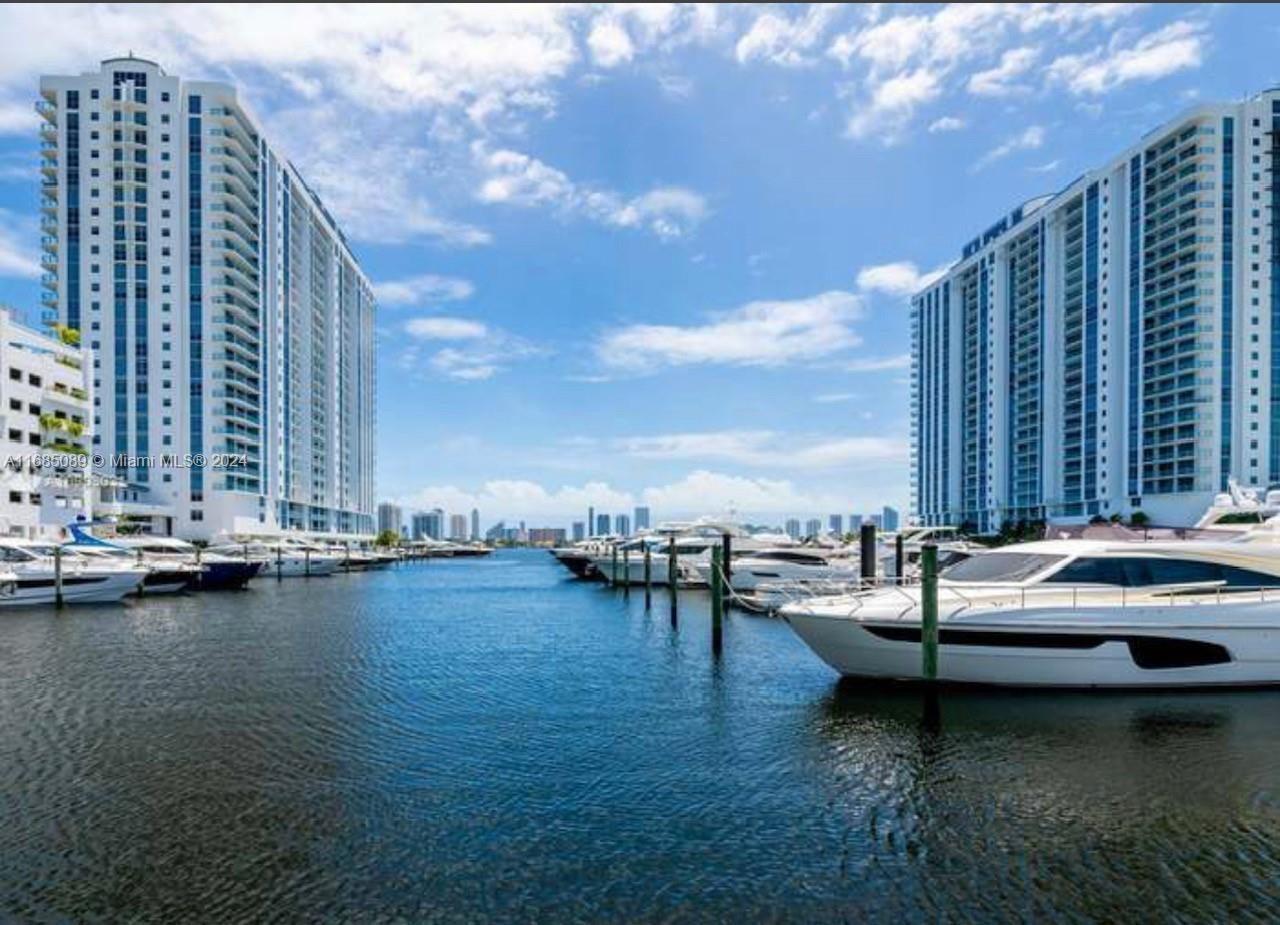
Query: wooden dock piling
(626, 573)
(672, 577)
(57, 576)
(867, 553)
(717, 602)
(648, 579)
(929, 612)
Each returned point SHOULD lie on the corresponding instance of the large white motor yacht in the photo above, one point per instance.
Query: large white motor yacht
(1077, 613)
(84, 580)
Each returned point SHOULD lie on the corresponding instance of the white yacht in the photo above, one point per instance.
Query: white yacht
(803, 565)
(1075, 613)
(84, 580)
(164, 576)
(282, 557)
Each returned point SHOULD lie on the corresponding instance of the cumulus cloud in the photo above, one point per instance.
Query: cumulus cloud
(763, 448)
(946, 124)
(898, 64)
(424, 289)
(771, 333)
(1176, 47)
(518, 179)
(1029, 139)
(901, 278)
(609, 43)
(1002, 80)
(445, 329)
(879, 364)
(474, 351)
(699, 492)
(789, 41)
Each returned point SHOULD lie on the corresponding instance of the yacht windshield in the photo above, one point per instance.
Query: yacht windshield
(1001, 566)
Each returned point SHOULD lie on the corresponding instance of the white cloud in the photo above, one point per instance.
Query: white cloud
(701, 491)
(520, 498)
(766, 449)
(831, 398)
(901, 278)
(668, 211)
(476, 352)
(1001, 80)
(1029, 139)
(879, 364)
(902, 62)
(1049, 167)
(445, 329)
(946, 124)
(757, 334)
(609, 43)
(706, 492)
(1178, 46)
(514, 178)
(892, 104)
(17, 256)
(425, 288)
(784, 40)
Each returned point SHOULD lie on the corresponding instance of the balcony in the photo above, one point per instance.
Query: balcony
(48, 110)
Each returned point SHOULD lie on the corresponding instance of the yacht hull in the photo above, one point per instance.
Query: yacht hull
(227, 576)
(292, 566)
(576, 561)
(98, 588)
(1225, 645)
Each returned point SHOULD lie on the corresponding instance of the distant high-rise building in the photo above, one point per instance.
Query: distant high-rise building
(421, 525)
(602, 525)
(433, 524)
(497, 532)
(546, 536)
(228, 317)
(622, 523)
(876, 521)
(642, 518)
(475, 524)
(855, 523)
(579, 531)
(813, 527)
(458, 527)
(889, 519)
(793, 528)
(390, 517)
(591, 518)
(835, 523)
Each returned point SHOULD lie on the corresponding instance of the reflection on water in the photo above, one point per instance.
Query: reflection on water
(465, 741)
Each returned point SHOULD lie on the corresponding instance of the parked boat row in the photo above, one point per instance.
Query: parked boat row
(770, 564)
(94, 569)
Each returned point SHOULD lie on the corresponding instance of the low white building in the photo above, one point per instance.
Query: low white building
(45, 431)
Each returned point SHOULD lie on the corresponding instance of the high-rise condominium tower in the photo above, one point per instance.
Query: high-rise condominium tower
(1115, 346)
(230, 321)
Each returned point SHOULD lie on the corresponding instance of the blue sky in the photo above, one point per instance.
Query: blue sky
(654, 254)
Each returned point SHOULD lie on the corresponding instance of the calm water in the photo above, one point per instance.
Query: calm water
(477, 740)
